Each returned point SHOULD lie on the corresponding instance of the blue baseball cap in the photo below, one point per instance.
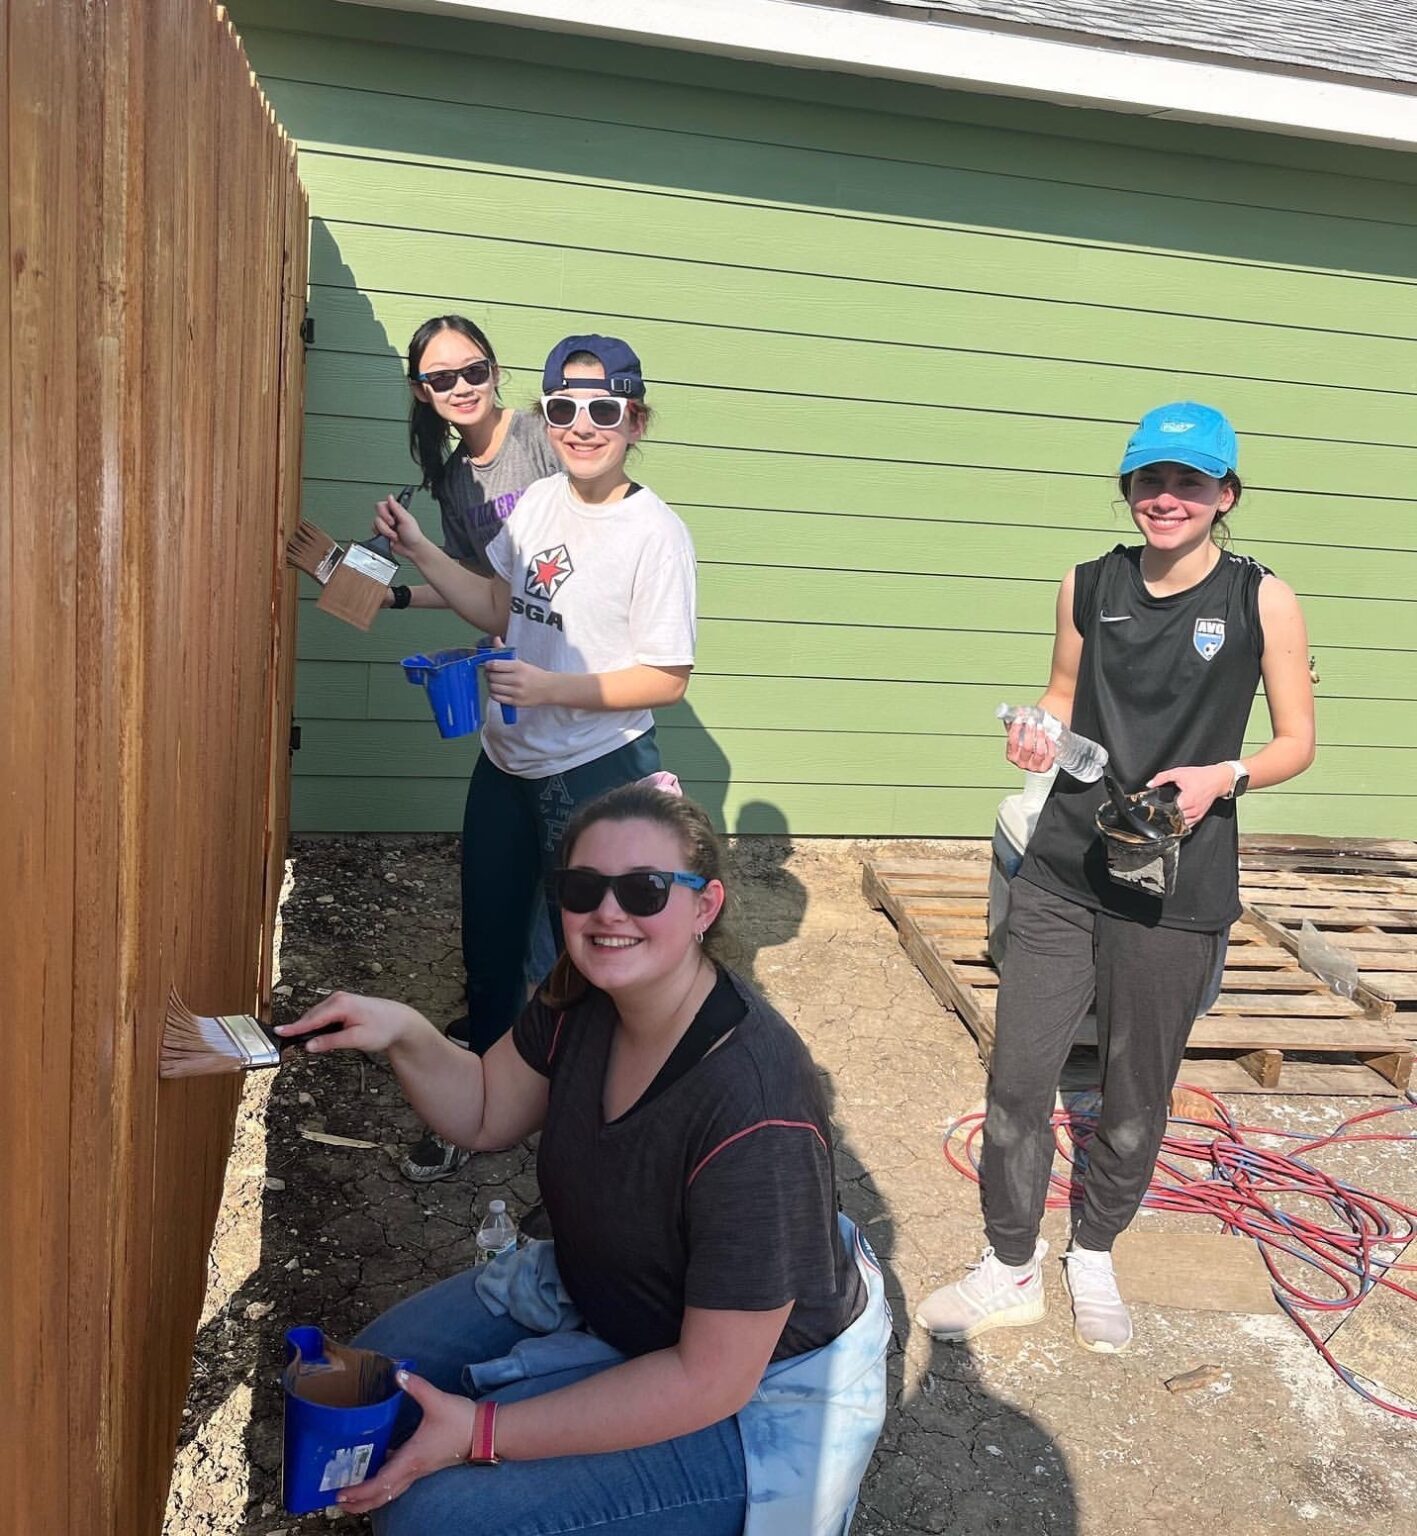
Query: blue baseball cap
(623, 375)
(1183, 433)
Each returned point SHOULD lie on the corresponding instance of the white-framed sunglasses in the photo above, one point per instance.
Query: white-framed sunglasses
(603, 410)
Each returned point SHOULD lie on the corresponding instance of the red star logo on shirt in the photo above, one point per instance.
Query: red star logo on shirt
(547, 572)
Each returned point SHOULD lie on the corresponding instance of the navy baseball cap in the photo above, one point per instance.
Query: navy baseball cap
(1183, 433)
(623, 375)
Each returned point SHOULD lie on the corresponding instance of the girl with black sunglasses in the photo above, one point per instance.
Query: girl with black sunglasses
(703, 1348)
(593, 582)
(477, 458)
(477, 455)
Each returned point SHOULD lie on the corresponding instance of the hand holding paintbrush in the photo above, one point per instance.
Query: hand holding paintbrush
(360, 1023)
(196, 1045)
(442, 1082)
(356, 589)
(481, 600)
(398, 528)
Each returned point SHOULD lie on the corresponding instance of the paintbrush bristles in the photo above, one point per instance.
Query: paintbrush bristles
(194, 1045)
(313, 551)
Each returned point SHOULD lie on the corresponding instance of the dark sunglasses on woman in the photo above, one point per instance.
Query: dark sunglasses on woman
(441, 380)
(640, 893)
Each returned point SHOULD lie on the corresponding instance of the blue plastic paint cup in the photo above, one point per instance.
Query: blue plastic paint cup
(450, 679)
(328, 1448)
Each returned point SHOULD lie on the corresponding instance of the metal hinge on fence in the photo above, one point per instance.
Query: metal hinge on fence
(294, 738)
(307, 329)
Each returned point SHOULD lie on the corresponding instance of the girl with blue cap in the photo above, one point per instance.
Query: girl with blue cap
(1157, 652)
(592, 580)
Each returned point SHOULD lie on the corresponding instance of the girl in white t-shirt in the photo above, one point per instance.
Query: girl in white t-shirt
(594, 585)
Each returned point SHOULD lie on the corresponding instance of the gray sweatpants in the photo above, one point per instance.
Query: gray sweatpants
(1149, 984)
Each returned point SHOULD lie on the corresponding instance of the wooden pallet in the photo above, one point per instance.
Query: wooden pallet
(1362, 896)
(1269, 1008)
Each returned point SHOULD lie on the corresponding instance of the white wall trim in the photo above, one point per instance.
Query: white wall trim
(801, 35)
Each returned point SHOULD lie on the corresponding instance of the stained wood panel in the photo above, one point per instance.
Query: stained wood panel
(150, 388)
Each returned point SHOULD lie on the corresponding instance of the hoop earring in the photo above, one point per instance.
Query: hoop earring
(698, 936)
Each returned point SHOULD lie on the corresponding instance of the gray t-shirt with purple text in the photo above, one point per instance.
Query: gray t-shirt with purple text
(476, 499)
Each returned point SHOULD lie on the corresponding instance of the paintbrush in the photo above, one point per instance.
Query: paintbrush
(313, 551)
(355, 590)
(196, 1046)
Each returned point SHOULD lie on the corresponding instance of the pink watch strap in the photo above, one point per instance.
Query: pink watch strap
(483, 1450)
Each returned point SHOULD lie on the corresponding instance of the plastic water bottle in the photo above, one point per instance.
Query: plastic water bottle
(497, 1234)
(1077, 755)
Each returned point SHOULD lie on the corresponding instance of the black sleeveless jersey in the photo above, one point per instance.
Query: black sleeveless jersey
(1164, 682)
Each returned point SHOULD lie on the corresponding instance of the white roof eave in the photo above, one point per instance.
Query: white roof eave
(969, 57)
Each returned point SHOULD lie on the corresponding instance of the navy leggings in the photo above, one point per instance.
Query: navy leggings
(511, 840)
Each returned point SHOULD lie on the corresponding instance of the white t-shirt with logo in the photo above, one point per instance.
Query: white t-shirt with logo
(594, 589)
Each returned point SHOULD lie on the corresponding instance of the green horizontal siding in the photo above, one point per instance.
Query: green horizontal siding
(357, 690)
(763, 647)
(401, 268)
(896, 339)
(856, 552)
(821, 756)
(732, 357)
(836, 434)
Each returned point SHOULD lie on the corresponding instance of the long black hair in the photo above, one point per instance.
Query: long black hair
(427, 431)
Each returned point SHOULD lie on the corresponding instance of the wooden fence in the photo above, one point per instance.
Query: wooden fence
(151, 376)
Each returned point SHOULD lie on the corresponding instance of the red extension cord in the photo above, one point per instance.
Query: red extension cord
(1240, 1186)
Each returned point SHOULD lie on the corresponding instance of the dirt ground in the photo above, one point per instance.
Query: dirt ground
(1023, 1433)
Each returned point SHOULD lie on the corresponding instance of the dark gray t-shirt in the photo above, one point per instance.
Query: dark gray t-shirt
(476, 499)
(718, 1192)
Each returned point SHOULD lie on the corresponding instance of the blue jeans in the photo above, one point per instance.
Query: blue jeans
(693, 1486)
(511, 840)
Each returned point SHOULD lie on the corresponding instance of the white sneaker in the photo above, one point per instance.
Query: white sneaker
(1100, 1320)
(991, 1295)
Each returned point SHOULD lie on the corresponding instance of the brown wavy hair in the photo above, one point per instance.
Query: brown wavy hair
(698, 843)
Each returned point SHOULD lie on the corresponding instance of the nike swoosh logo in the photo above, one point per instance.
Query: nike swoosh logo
(1115, 618)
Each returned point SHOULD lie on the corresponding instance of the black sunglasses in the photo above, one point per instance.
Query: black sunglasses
(641, 892)
(441, 380)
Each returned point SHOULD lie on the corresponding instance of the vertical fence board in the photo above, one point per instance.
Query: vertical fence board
(150, 378)
(101, 244)
(18, 1373)
(39, 716)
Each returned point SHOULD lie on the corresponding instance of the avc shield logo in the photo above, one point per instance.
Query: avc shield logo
(1207, 637)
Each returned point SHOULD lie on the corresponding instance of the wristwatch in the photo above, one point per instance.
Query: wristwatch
(1241, 780)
